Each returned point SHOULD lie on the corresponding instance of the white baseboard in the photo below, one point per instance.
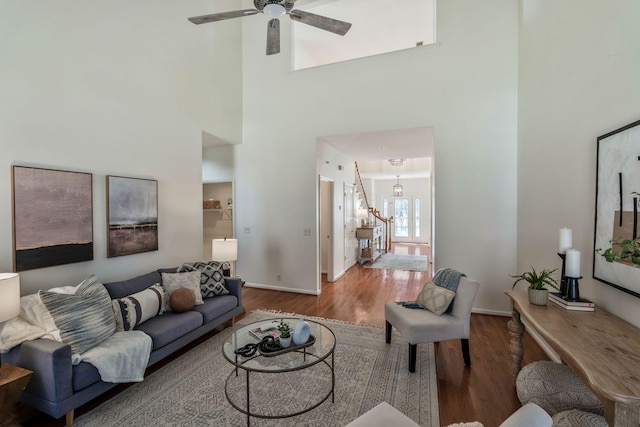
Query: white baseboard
(491, 312)
(280, 288)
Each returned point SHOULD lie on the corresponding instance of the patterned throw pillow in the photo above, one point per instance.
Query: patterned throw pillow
(85, 318)
(211, 279)
(173, 281)
(435, 298)
(134, 309)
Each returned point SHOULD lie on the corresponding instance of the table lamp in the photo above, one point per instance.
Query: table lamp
(224, 251)
(9, 296)
(13, 379)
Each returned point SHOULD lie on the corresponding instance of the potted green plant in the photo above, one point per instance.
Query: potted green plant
(538, 294)
(285, 334)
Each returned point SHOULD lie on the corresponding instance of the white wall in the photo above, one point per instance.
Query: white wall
(579, 64)
(112, 89)
(466, 87)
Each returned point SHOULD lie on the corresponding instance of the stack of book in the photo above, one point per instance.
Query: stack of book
(578, 305)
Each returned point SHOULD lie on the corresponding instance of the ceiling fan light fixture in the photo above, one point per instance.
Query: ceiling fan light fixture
(274, 10)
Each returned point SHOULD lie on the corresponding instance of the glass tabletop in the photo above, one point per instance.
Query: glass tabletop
(325, 343)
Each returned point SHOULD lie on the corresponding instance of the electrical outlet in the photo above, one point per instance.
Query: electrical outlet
(247, 229)
(307, 232)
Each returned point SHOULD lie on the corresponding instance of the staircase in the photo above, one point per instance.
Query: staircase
(376, 214)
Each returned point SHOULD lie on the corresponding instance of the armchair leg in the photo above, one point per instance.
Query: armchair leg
(388, 333)
(465, 351)
(413, 349)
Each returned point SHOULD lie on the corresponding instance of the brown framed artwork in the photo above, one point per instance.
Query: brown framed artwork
(52, 217)
(132, 215)
(617, 205)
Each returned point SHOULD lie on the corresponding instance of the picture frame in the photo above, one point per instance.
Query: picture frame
(52, 217)
(132, 215)
(617, 205)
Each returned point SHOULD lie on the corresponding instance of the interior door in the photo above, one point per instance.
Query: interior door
(350, 225)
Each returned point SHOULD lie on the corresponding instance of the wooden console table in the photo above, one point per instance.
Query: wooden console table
(601, 349)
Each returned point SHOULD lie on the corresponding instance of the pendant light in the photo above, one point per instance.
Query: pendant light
(398, 191)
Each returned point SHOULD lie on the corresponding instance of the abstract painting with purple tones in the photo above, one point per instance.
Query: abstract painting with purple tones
(52, 217)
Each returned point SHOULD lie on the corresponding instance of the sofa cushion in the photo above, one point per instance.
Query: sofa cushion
(211, 277)
(134, 309)
(170, 326)
(85, 318)
(189, 280)
(84, 375)
(216, 306)
(131, 286)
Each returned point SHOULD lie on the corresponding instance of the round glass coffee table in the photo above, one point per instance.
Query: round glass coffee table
(319, 349)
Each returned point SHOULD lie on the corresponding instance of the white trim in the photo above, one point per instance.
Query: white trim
(280, 288)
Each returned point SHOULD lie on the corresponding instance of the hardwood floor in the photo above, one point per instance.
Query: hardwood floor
(483, 392)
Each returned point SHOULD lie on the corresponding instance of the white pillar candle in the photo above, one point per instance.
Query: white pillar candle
(573, 263)
(565, 240)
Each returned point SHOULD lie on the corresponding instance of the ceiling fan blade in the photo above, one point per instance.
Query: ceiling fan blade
(322, 22)
(222, 16)
(273, 37)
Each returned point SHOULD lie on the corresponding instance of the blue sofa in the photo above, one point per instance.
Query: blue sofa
(57, 387)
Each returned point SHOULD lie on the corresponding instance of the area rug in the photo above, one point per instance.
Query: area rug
(401, 262)
(189, 391)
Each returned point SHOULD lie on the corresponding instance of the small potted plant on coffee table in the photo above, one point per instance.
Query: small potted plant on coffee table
(538, 294)
(285, 334)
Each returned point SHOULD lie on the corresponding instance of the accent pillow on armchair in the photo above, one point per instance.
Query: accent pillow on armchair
(435, 298)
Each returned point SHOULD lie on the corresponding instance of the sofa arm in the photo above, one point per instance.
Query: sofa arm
(50, 362)
(234, 284)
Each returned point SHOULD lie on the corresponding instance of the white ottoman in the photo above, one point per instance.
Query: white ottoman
(383, 415)
(555, 388)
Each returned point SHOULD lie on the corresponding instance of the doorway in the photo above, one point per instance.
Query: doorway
(217, 213)
(326, 230)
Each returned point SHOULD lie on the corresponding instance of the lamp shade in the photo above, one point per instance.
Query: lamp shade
(9, 296)
(224, 250)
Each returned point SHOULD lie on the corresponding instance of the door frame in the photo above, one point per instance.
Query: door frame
(329, 198)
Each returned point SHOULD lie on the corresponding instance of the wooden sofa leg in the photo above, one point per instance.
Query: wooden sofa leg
(413, 350)
(388, 333)
(465, 351)
(69, 418)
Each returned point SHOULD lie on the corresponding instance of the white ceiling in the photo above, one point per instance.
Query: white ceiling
(378, 26)
(384, 145)
(415, 143)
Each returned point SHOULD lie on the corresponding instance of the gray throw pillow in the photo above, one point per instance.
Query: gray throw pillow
(174, 281)
(435, 298)
(85, 318)
(211, 277)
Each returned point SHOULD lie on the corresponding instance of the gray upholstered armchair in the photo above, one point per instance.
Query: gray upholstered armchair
(419, 326)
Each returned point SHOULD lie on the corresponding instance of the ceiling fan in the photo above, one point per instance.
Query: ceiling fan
(275, 9)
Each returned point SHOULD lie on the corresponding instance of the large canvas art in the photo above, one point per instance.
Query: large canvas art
(617, 204)
(132, 215)
(52, 217)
